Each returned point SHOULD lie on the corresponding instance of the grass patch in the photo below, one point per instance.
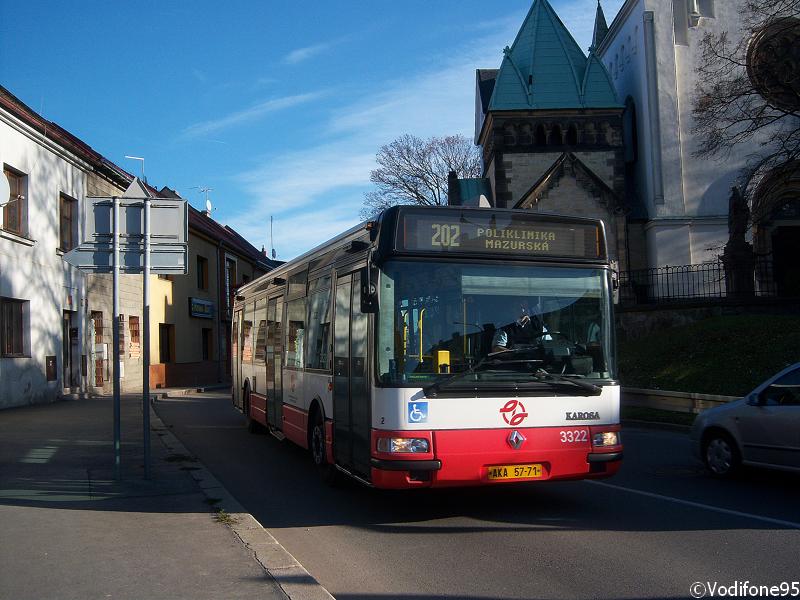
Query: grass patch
(653, 415)
(727, 355)
(225, 517)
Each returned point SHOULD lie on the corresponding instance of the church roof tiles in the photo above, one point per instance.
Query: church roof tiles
(546, 69)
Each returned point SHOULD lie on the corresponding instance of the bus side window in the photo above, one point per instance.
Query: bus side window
(319, 329)
(295, 332)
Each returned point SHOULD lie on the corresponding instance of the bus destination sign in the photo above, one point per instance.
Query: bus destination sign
(491, 232)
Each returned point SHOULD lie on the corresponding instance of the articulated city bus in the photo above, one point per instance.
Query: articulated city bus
(439, 346)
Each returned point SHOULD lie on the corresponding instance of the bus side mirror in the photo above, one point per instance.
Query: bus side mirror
(369, 289)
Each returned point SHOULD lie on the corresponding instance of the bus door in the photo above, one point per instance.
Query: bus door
(237, 362)
(274, 362)
(351, 396)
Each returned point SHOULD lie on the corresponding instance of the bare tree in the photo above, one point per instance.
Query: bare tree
(749, 90)
(414, 171)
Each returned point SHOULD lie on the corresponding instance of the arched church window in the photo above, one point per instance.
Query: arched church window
(572, 135)
(773, 63)
(540, 136)
(588, 134)
(629, 133)
(525, 137)
(509, 135)
(706, 8)
(622, 62)
(556, 137)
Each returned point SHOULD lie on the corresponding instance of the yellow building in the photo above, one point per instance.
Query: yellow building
(190, 315)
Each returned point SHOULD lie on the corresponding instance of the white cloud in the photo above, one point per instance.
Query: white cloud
(249, 114)
(301, 54)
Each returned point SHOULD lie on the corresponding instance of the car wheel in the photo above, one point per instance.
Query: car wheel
(721, 455)
(327, 471)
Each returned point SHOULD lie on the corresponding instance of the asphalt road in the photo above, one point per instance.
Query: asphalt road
(652, 531)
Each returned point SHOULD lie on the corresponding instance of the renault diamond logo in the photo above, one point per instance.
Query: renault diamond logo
(516, 439)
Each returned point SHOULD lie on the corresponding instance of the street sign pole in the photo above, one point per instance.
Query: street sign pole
(118, 238)
(146, 340)
(115, 340)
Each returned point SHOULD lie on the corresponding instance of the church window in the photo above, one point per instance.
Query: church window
(540, 137)
(556, 137)
(773, 63)
(706, 8)
(525, 135)
(629, 133)
(572, 135)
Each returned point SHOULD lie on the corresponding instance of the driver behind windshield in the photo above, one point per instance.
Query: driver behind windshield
(524, 331)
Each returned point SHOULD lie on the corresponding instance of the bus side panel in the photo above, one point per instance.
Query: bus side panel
(295, 425)
(258, 408)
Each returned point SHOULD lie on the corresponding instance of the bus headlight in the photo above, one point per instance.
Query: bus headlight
(606, 438)
(412, 445)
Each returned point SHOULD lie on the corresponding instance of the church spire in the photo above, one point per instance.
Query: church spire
(600, 28)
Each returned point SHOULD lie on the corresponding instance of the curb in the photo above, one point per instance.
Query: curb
(293, 579)
(177, 392)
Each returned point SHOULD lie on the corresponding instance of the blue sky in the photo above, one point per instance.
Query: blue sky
(279, 107)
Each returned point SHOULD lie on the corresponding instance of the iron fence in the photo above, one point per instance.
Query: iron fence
(700, 282)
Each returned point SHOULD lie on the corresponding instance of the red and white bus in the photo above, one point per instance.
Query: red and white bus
(441, 346)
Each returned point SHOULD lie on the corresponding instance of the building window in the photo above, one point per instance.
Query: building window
(166, 343)
(68, 223)
(202, 273)
(12, 325)
(773, 63)
(135, 344)
(207, 341)
(14, 206)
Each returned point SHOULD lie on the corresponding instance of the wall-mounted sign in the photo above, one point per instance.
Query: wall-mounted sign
(203, 309)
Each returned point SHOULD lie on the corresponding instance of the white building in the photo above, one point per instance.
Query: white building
(651, 50)
(46, 337)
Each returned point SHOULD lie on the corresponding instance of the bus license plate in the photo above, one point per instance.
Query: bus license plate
(531, 471)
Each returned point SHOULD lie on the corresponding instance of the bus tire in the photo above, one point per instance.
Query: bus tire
(317, 445)
(250, 423)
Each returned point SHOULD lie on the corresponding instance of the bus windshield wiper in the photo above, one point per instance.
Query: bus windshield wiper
(544, 376)
(490, 360)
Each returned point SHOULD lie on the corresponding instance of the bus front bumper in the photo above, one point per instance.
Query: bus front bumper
(485, 457)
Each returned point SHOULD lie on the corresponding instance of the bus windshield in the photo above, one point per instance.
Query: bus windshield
(494, 323)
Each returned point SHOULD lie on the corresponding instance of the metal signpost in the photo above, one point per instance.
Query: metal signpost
(119, 238)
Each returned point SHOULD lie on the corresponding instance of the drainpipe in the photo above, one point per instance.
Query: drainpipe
(220, 274)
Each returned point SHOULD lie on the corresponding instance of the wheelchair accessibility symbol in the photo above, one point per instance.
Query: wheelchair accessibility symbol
(417, 412)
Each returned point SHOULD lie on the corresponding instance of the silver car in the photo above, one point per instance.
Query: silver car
(762, 429)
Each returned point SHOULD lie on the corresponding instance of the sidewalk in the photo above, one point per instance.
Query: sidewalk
(69, 530)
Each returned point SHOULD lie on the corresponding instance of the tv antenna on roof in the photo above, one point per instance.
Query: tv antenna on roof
(271, 244)
(144, 178)
(204, 191)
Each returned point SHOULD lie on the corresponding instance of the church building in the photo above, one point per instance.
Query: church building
(611, 135)
(550, 125)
